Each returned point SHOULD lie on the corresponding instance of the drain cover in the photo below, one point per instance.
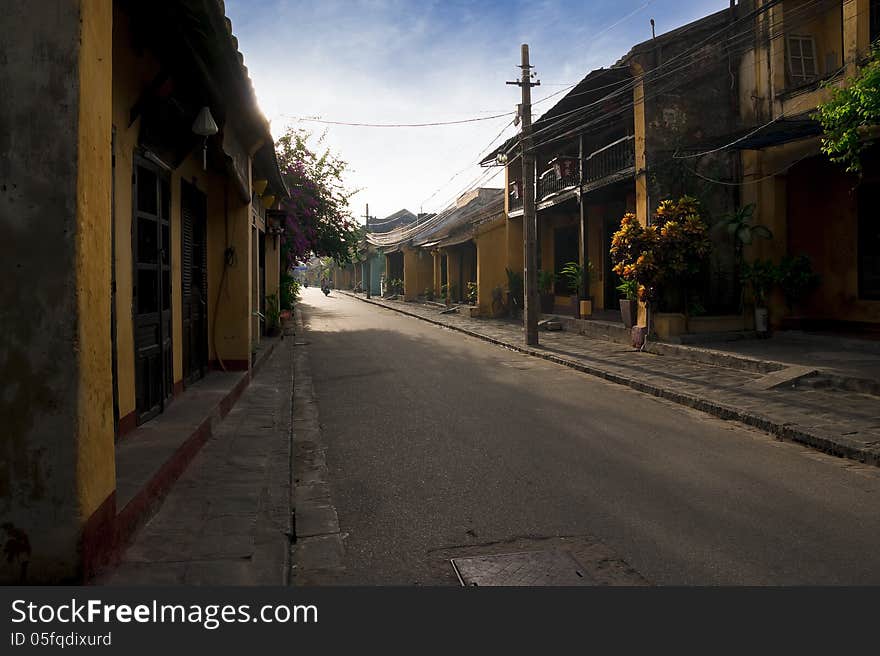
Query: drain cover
(530, 568)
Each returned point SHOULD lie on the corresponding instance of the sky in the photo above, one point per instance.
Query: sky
(415, 61)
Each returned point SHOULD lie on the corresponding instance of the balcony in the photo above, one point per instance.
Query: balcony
(605, 166)
(561, 176)
(515, 196)
(614, 162)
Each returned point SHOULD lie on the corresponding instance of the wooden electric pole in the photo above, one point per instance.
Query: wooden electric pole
(368, 284)
(530, 224)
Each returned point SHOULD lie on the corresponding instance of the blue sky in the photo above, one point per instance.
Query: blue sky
(398, 61)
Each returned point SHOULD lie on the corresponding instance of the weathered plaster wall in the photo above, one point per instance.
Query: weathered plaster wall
(515, 246)
(229, 280)
(56, 406)
(491, 262)
(823, 224)
(95, 463)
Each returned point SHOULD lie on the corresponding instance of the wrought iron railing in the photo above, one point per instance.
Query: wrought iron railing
(515, 201)
(610, 160)
(551, 183)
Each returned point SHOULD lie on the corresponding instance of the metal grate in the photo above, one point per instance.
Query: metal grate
(531, 568)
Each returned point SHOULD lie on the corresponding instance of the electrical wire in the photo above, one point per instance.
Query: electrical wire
(571, 122)
(402, 125)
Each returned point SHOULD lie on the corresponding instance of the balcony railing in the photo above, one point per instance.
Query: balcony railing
(610, 161)
(515, 196)
(551, 183)
(604, 166)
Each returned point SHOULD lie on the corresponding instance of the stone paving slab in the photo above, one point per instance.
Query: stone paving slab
(845, 424)
(318, 556)
(227, 520)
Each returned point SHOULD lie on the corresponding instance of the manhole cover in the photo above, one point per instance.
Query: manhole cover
(531, 568)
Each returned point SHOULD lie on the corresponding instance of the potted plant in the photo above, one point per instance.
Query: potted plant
(760, 277)
(273, 315)
(629, 304)
(796, 279)
(472, 292)
(515, 293)
(546, 280)
(573, 273)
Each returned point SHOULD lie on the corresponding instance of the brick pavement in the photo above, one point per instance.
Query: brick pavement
(842, 423)
(227, 520)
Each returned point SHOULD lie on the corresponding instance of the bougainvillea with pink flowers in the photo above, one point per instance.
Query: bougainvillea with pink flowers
(317, 218)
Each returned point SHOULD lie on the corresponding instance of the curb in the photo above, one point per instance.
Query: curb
(834, 445)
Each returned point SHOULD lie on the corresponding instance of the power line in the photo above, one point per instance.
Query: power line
(402, 125)
(561, 122)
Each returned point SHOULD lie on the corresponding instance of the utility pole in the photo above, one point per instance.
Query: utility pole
(530, 225)
(369, 282)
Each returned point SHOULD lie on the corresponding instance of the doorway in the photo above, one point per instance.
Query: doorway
(613, 213)
(566, 249)
(151, 293)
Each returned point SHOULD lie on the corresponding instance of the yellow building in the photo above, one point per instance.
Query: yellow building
(622, 140)
(150, 249)
(812, 207)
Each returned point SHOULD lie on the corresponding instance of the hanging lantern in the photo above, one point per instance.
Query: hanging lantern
(260, 186)
(205, 127)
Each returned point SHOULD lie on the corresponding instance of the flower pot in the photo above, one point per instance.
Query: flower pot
(586, 308)
(762, 321)
(547, 303)
(629, 313)
(575, 306)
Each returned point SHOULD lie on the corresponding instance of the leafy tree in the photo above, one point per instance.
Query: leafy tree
(850, 112)
(317, 218)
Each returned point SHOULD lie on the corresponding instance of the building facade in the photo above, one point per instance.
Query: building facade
(153, 180)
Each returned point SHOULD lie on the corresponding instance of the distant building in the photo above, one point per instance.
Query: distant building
(397, 220)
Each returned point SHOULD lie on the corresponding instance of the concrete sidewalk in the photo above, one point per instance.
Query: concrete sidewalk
(845, 424)
(227, 520)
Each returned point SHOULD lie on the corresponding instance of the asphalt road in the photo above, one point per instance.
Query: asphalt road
(440, 444)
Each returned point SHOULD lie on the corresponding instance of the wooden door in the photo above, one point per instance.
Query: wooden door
(151, 241)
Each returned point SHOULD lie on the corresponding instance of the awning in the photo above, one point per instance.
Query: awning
(456, 240)
(781, 131)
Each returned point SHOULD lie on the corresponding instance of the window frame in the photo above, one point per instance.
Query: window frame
(803, 76)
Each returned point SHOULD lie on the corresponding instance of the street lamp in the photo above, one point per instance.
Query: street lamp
(274, 227)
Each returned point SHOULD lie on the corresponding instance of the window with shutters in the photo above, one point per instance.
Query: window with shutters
(801, 59)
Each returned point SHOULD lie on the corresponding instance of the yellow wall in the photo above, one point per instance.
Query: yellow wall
(823, 226)
(453, 266)
(642, 200)
(418, 272)
(96, 475)
(491, 263)
(438, 272)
